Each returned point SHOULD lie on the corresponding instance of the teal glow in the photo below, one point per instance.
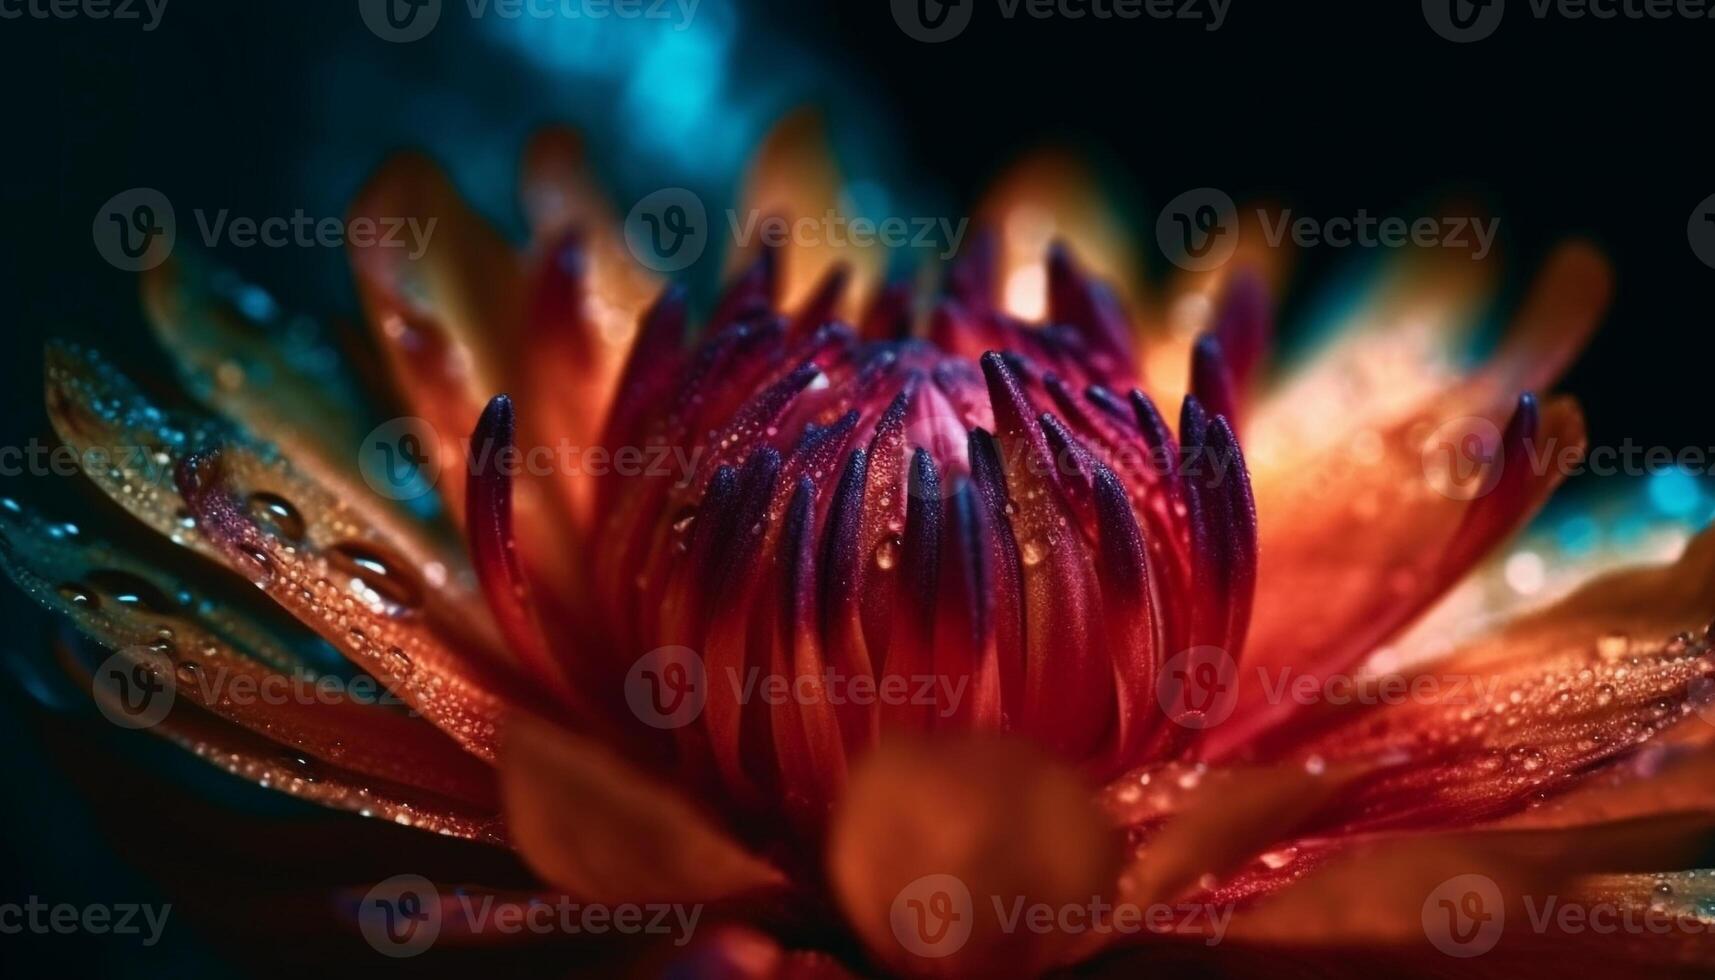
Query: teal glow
(1675, 492)
(1578, 536)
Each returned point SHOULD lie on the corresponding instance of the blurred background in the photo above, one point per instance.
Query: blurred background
(1559, 128)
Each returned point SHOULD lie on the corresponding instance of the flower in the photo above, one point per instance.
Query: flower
(885, 625)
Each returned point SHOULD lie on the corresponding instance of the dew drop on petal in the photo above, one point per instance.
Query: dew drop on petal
(887, 552)
(277, 514)
(377, 577)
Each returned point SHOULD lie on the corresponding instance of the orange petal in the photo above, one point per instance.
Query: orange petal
(262, 761)
(349, 585)
(218, 656)
(794, 177)
(448, 319)
(932, 835)
(1214, 820)
(1377, 892)
(1420, 539)
(587, 821)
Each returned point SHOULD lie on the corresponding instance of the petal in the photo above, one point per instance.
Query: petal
(349, 585)
(296, 772)
(986, 820)
(227, 661)
(793, 177)
(446, 319)
(1423, 539)
(588, 822)
(272, 372)
(1375, 892)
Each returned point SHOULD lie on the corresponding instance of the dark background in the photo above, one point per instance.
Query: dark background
(1559, 128)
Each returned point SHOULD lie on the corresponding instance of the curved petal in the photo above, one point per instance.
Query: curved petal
(585, 820)
(932, 836)
(230, 664)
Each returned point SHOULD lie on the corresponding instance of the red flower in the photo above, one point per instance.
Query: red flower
(911, 616)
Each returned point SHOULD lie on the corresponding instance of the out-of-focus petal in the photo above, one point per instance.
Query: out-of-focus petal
(956, 826)
(794, 178)
(1375, 892)
(447, 318)
(296, 772)
(587, 821)
(1417, 541)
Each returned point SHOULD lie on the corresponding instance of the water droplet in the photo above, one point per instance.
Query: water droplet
(261, 566)
(79, 595)
(130, 590)
(1033, 552)
(887, 552)
(277, 514)
(1613, 646)
(1528, 759)
(377, 575)
(400, 661)
(1275, 860)
(1315, 765)
(302, 767)
(187, 673)
(1604, 695)
(683, 523)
